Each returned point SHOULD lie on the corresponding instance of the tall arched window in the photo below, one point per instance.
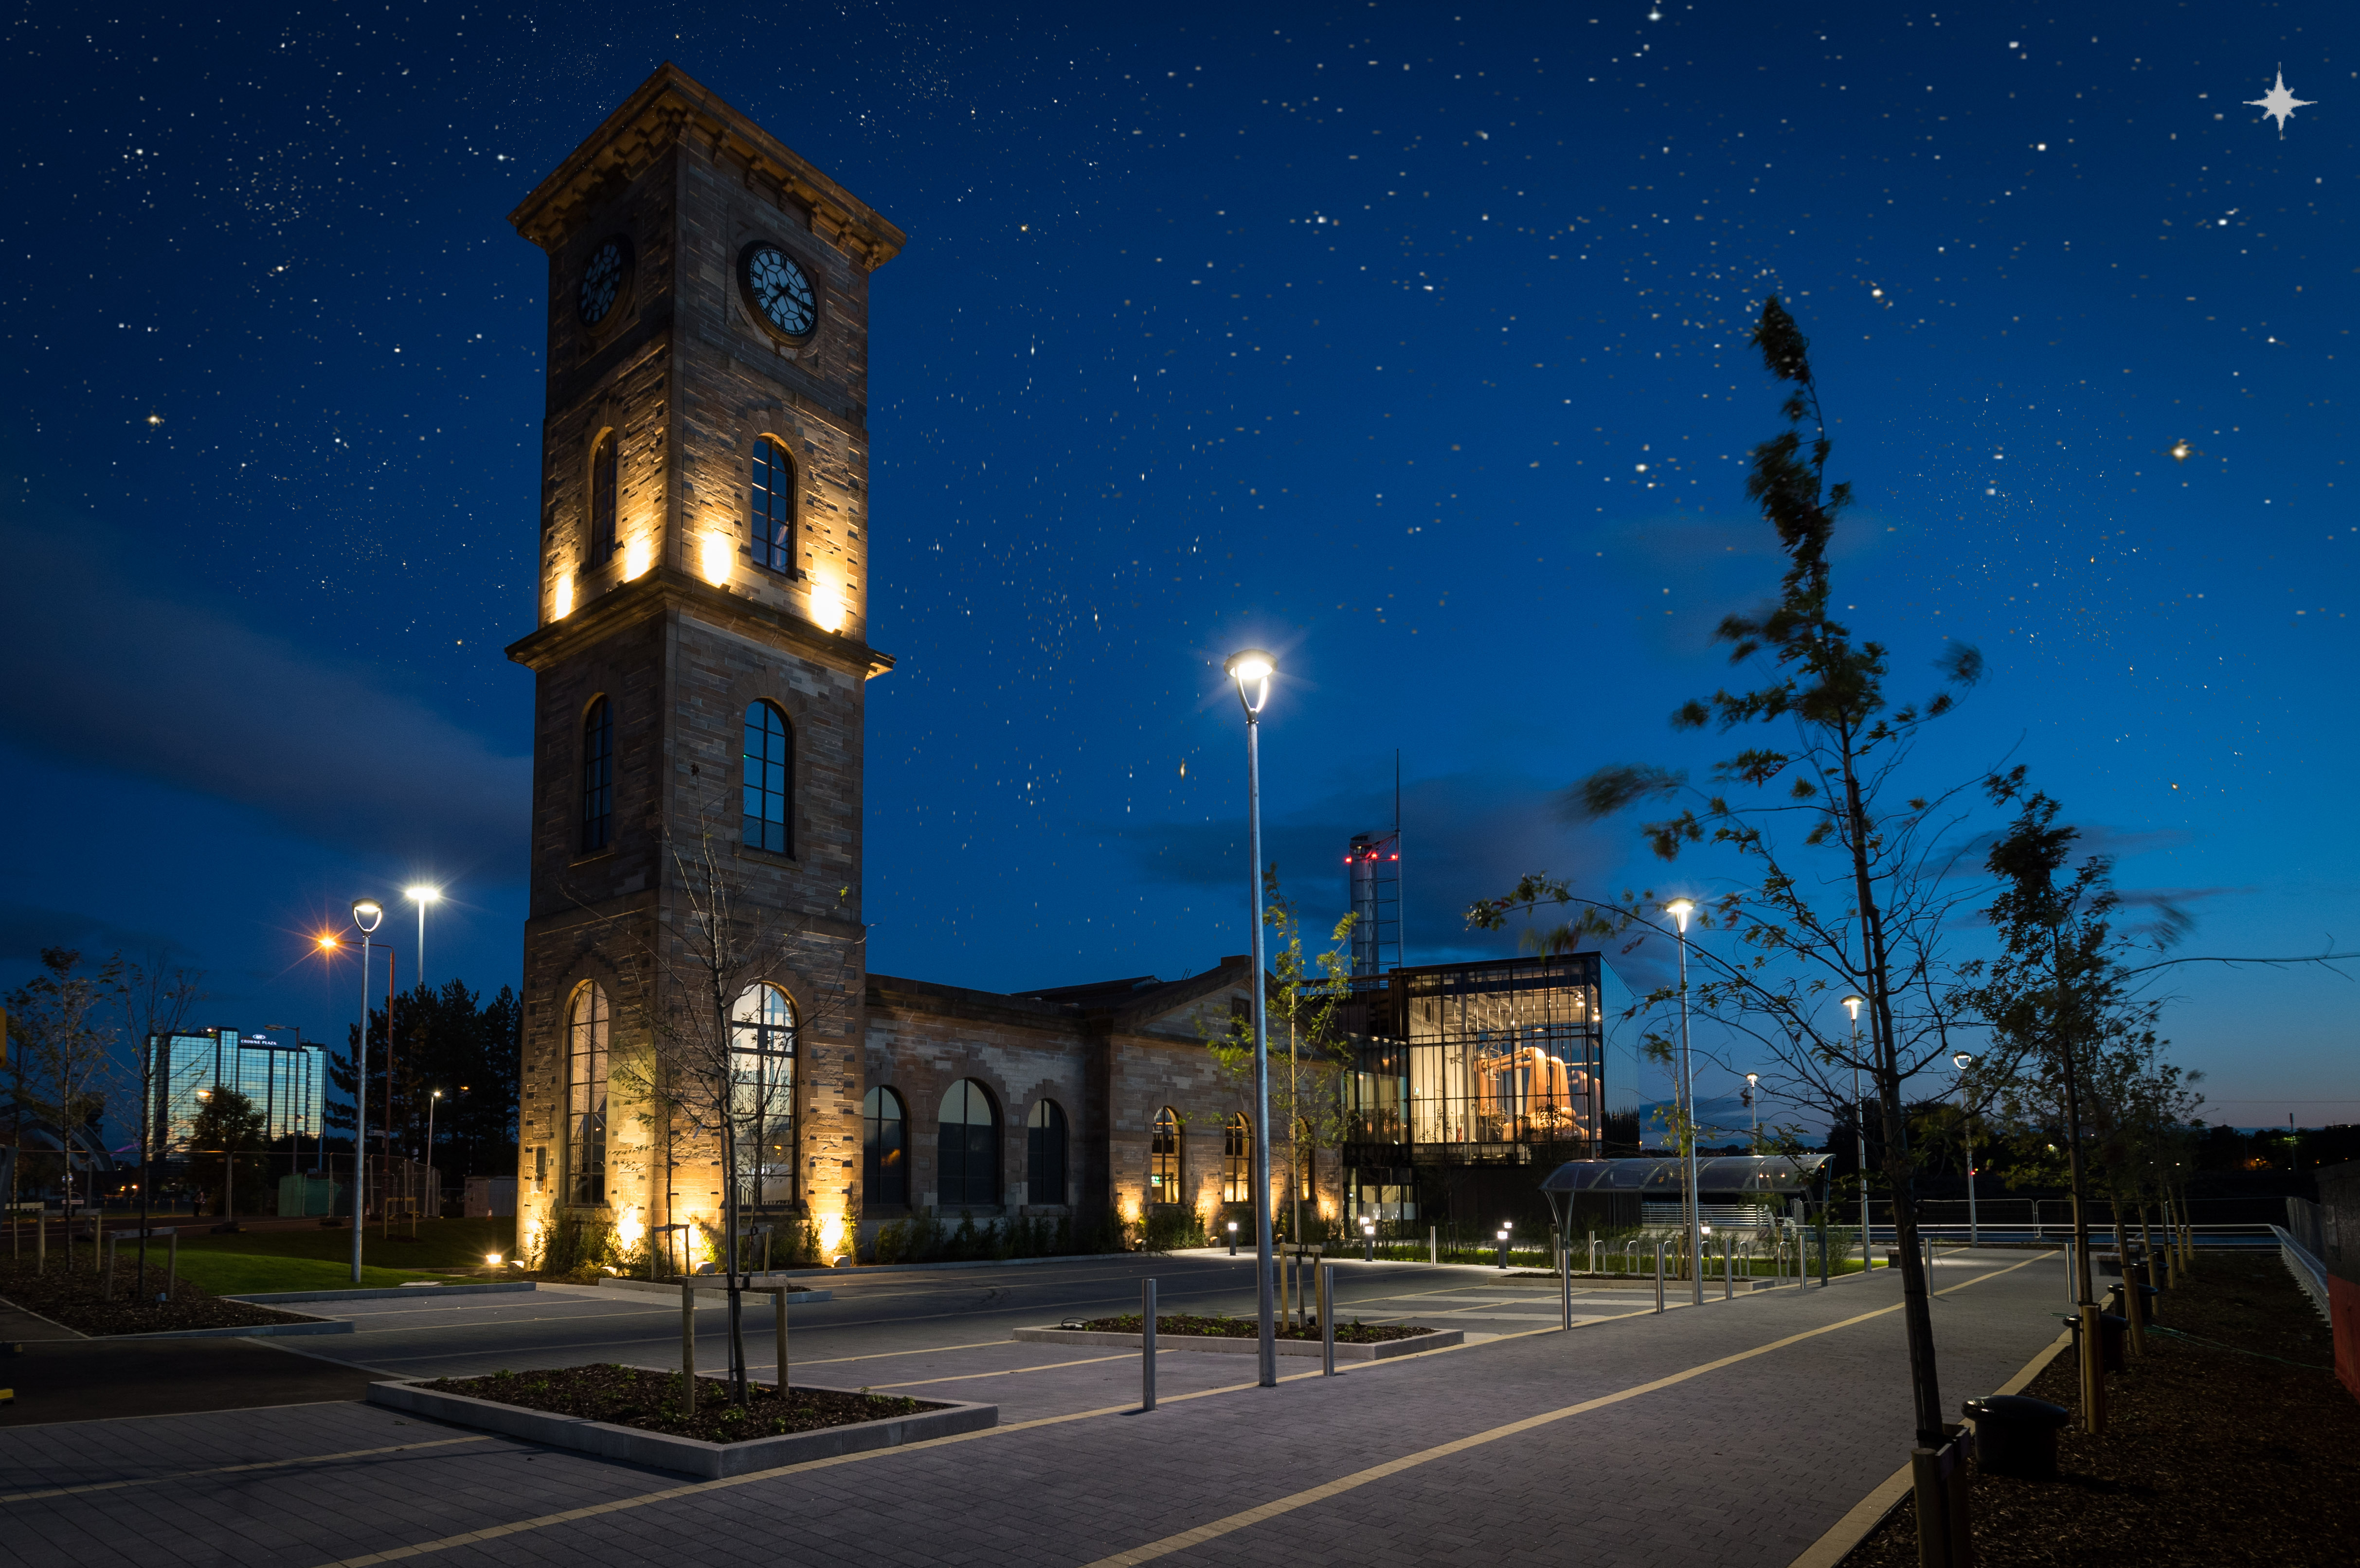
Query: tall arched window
(884, 1153)
(769, 779)
(762, 1092)
(1164, 1160)
(597, 774)
(773, 494)
(586, 1091)
(1237, 1160)
(602, 499)
(967, 1146)
(1045, 1153)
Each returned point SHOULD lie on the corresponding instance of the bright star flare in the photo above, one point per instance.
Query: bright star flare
(2280, 104)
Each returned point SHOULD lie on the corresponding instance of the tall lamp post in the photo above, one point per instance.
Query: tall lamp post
(1679, 909)
(425, 895)
(1963, 1061)
(1752, 1079)
(1251, 669)
(1852, 1005)
(367, 914)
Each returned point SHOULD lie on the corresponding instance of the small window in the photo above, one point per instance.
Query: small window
(884, 1153)
(1164, 1160)
(1045, 1153)
(585, 1077)
(769, 779)
(762, 1092)
(968, 1147)
(1237, 1160)
(602, 499)
(598, 776)
(774, 495)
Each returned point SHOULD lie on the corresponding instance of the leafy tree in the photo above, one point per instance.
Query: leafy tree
(1875, 922)
(449, 1039)
(157, 999)
(226, 1143)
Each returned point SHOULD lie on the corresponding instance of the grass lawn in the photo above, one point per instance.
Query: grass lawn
(239, 1274)
(440, 1245)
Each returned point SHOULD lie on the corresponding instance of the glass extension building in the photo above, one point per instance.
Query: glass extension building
(1471, 1082)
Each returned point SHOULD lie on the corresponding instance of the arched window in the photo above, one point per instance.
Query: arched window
(1045, 1153)
(884, 1155)
(586, 1088)
(967, 1174)
(1237, 1160)
(1164, 1160)
(769, 779)
(774, 495)
(602, 499)
(597, 774)
(762, 1092)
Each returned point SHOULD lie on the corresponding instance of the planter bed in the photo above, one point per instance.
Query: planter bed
(561, 1407)
(76, 1300)
(1239, 1336)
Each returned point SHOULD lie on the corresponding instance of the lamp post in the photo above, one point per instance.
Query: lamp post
(1859, 1125)
(1679, 909)
(433, 1185)
(1251, 668)
(1751, 1080)
(1963, 1061)
(367, 914)
(425, 893)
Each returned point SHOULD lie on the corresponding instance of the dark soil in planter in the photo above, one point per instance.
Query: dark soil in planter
(632, 1396)
(76, 1299)
(1354, 1333)
(2209, 1456)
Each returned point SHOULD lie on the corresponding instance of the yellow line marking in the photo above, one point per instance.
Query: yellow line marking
(1010, 1372)
(76, 1491)
(1215, 1528)
(697, 1488)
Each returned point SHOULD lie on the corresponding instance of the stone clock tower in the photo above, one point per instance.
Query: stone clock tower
(700, 658)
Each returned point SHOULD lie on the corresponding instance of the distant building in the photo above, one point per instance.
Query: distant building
(285, 1081)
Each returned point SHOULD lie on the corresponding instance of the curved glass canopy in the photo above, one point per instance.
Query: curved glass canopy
(1718, 1173)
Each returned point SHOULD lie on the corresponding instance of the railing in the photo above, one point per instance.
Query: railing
(2308, 1271)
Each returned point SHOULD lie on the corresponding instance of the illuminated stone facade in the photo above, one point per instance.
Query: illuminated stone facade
(688, 413)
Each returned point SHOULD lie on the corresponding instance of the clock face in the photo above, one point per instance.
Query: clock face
(777, 287)
(602, 282)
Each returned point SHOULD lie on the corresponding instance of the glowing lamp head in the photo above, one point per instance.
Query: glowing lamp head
(1963, 1061)
(366, 913)
(1852, 1005)
(1680, 909)
(1752, 1079)
(421, 892)
(1251, 669)
(492, 1258)
(328, 943)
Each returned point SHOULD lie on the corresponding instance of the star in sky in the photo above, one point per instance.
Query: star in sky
(2280, 104)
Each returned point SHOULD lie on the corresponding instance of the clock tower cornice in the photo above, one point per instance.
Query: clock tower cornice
(663, 588)
(671, 108)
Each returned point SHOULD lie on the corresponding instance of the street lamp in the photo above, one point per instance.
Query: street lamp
(433, 1183)
(1751, 1080)
(1852, 1005)
(424, 894)
(367, 914)
(1679, 909)
(1251, 669)
(1963, 1061)
(1233, 1238)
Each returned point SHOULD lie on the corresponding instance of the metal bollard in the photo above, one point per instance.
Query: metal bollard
(1328, 1319)
(1147, 1346)
(1659, 1276)
(1433, 1243)
(779, 1301)
(1728, 1269)
(687, 1344)
(1565, 1286)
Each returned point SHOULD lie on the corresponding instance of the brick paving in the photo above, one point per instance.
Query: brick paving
(1745, 1464)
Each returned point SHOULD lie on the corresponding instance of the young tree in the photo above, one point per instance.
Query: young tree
(1884, 935)
(1305, 992)
(158, 998)
(713, 1059)
(62, 1056)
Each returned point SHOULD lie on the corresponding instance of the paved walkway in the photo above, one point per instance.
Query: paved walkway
(1731, 1434)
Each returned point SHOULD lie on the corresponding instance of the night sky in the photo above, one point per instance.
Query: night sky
(1404, 340)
